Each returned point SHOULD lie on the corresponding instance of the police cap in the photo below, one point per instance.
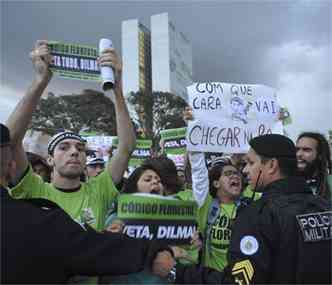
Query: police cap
(273, 145)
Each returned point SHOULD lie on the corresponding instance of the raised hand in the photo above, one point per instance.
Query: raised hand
(110, 58)
(41, 59)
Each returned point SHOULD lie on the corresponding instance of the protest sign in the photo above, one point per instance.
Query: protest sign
(142, 151)
(228, 115)
(74, 61)
(36, 142)
(150, 216)
(174, 141)
(100, 144)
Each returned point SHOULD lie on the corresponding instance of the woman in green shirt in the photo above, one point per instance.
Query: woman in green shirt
(218, 195)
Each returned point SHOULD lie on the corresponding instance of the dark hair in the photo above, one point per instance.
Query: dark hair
(167, 171)
(35, 159)
(130, 185)
(214, 174)
(287, 166)
(323, 158)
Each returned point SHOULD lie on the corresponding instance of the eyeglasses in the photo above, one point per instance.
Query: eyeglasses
(228, 173)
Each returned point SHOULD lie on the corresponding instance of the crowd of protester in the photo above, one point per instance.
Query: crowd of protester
(59, 214)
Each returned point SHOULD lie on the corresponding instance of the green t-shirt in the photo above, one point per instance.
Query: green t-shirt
(185, 195)
(215, 249)
(89, 204)
(248, 193)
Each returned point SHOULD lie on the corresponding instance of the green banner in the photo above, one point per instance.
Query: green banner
(74, 61)
(174, 140)
(151, 216)
(141, 152)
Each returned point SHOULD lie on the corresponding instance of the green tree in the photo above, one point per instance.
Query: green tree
(89, 111)
(157, 111)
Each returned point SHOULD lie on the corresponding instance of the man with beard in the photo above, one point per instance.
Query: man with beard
(314, 162)
(86, 202)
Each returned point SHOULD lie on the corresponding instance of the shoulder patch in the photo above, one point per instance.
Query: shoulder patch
(243, 272)
(315, 226)
(249, 245)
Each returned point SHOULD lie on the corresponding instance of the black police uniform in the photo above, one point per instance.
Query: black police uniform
(40, 243)
(277, 239)
(275, 247)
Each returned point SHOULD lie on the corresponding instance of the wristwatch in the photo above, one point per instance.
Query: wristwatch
(171, 276)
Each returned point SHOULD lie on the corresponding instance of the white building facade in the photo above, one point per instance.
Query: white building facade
(156, 61)
(171, 57)
(136, 57)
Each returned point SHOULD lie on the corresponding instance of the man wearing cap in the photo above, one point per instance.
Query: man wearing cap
(282, 238)
(41, 244)
(94, 164)
(85, 202)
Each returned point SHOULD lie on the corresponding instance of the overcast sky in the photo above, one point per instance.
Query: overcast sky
(283, 44)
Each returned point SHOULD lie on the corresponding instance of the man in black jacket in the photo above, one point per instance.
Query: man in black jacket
(285, 237)
(40, 243)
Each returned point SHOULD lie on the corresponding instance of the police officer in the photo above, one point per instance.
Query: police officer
(40, 243)
(285, 237)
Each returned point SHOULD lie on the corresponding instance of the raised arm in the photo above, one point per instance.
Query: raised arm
(124, 126)
(20, 118)
(200, 177)
(199, 171)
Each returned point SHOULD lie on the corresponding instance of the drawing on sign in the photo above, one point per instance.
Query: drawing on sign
(239, 109)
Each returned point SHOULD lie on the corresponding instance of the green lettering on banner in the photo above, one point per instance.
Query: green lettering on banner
(74, 61)
(150, 217)
(140, 207)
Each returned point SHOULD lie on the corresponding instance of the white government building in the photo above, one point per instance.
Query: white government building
(156, 60)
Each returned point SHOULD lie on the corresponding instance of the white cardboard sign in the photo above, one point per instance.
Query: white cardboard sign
(228, 115)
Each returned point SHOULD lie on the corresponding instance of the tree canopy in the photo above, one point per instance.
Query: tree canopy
(89, 111)
(92, 111)
(157, 111)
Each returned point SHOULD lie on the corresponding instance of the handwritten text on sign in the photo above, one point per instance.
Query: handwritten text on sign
(228, 115)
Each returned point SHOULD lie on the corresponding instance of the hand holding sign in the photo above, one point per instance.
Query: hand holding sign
(181, 253)
(117, 226)
(196, 241)
(41, 58)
